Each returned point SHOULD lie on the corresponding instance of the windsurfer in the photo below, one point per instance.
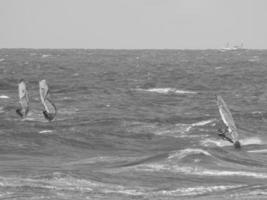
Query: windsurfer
(50, 109)
(223, 134)
(23, 109)
(228, 130)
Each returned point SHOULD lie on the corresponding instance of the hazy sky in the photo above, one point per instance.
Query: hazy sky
(130, 24)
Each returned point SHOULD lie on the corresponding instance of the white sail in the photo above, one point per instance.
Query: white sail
(23, 98)
(227, 118)
(49, 106)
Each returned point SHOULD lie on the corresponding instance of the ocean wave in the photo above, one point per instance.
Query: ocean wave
(55, 183)
(63, 183)
(203, 123)
(181, 191)
(251, 140)
(123, 190)
(166, 91)
(97, 159)
(199, 171)
(198, 190)
(213, 142)
(181, 130)
(178, 130)
(231, 173)
(183, 153)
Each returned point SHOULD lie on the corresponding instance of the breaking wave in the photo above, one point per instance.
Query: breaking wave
(199, 171)
(222, 143)
(183, 153)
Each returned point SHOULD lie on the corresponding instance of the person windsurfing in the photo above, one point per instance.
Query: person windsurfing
(229, 130)
(23, 109)
(50, 109)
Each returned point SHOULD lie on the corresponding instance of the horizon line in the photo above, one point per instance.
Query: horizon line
(221, 49)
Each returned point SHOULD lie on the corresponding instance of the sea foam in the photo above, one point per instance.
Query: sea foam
(167, 91)
(4, 97)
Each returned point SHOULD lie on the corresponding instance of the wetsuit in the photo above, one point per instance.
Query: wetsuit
(222, 134)
(21, 113)
(48, 116)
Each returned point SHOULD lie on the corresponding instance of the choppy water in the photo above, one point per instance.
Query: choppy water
(133, 125)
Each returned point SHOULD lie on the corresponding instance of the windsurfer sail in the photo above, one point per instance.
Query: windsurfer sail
(23, 109)
(230, 133)
(50, 108)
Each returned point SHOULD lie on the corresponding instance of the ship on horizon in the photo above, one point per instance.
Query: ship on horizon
(229, 47)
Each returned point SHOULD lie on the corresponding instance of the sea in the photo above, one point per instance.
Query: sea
(133, 125)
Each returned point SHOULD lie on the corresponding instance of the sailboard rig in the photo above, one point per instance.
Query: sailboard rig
(231, 134)
(50, 109)
(23, 109)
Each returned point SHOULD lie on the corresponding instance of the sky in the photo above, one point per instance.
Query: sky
(133, 24)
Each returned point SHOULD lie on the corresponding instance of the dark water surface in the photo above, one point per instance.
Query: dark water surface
(133, 125)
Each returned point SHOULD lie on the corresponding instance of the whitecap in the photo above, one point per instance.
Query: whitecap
(197, 190)
(94, 160)
(123, 190)
(251, 140)
(203, 123)
(254, 59)
(178, 131)
(256, 112)
(185, 152)
(2, 59)
(4, 97)
(184, 92)
(67, 98)
(75, 74)
(45, 131)
(199, 171)
(258, 151)
(166, 91)
(45, 56)
(231, 173)
(221, 143)
(212, 142)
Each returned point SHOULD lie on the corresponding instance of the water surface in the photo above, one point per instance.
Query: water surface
(133, 124)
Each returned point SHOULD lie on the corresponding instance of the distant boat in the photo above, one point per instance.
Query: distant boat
(50, 108)
(23, 110)
(227, 47)
(231, 134)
